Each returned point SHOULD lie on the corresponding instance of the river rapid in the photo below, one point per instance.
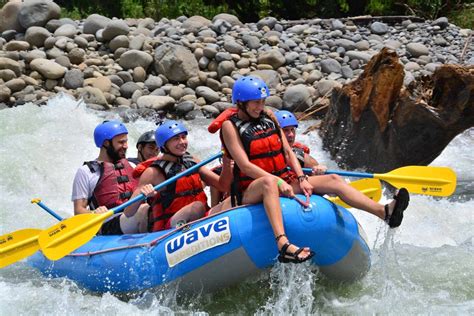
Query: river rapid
(424, 267)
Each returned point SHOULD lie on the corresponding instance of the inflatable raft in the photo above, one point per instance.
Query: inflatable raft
(216, 251)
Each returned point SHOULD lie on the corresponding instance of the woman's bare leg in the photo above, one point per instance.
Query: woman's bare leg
(334, 184)
(188, 213)
(266, 189)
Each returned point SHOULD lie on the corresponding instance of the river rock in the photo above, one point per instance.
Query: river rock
(297, 98)
(135, 58)
(37, 35)
(8, 17)
(16, 46)
(73, 79)
(155, 102)
(175, 62)
(273, 58)
(5, 93)
(7, 74)
(115, 28)
(7, 63)
(68, 30)
(207, 93)
(38, 13)
(95, 22)
(15, 85)
(417, 49)
(48, 68)
(195, 23)
(94, 96)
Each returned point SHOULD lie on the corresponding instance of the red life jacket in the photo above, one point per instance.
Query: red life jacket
(216, 124)
(300, 150)
(141, 167)
(177, 195)
(115, 186)
(262, 143)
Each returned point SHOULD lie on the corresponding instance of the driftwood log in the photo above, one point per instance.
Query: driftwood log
(377, 124)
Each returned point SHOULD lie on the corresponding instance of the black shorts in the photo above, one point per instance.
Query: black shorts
(111, 227)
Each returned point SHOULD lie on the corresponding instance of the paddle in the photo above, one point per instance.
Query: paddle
(435, 181)
(21, 243)
(372, 188)
(65, 237)
(18, 245)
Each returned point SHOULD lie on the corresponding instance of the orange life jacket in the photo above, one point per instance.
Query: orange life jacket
(216, 124)
(176, 195)
(115, 186)
(300, 150)
(141, 167)
(262, 143)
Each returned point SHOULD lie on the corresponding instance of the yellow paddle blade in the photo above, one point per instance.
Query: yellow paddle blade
(436, 181)
(372, 188)
(68, 235)
(18, 245)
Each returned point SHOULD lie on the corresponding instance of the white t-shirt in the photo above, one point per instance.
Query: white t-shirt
(85, 182)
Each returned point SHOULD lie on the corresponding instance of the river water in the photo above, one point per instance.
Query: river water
(424, 267)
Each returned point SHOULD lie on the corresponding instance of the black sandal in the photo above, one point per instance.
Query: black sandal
(286, 257)
(402, 198)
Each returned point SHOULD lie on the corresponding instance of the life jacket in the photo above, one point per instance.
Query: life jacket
(141, 167)
(176, 195)
(115, 186)
(262, 143)
(300, 150)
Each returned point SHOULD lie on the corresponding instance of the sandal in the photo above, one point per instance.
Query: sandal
(286, 257)
(402, 198)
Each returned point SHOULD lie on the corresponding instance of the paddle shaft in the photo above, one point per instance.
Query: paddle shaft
(47, 209)
(163, 184)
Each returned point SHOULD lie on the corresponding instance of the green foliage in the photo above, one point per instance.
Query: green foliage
(463, 17)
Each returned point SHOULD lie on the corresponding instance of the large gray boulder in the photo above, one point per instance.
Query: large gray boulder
(38, 13)
(95, 22)
(175, 62)
(135, 58)
(115, 28)
(297, 98)
(36, 35)
(8, 17)
(195, 23)
(272, 57)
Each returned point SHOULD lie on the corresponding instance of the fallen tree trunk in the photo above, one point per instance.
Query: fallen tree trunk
(376, 123)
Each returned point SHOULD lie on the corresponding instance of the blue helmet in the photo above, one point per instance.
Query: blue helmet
(286, 118)
(108, 130)
(168, 130)
(248, 88)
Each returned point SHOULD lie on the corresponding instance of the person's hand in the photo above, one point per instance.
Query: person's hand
(319, 170)
(285, 189)
(227, 163)
(148, 190)
(306, 187)
(100, 210)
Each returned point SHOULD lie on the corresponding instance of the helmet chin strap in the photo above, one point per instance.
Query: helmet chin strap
(168, 152)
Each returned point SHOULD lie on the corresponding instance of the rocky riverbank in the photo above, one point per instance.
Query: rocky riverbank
(187, 66)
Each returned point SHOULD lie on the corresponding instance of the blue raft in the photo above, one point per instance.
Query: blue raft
(216, 251)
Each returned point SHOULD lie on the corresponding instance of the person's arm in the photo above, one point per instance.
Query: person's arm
(81, 191)
(149, 178)
(81, 207)
(221, 182)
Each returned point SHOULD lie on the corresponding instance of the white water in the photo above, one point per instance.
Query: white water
(424, 267)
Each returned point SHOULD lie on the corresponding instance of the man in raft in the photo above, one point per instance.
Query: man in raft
(107, 181)
(146, 147)
(288, 123)
(183, 200)
(253, 139)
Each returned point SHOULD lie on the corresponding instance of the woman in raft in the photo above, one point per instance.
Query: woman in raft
(252, 137)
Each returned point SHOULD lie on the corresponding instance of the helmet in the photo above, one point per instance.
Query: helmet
(108, 130)
(286, 118)
(167, 130)
(147, 137)
(248, 88)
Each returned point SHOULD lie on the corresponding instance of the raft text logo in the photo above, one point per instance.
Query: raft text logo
(197, 240)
